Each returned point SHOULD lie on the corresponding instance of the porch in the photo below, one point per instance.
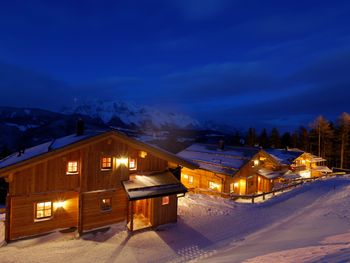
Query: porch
(152, 199)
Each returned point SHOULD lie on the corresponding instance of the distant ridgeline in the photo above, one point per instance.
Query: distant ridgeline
(23, 127)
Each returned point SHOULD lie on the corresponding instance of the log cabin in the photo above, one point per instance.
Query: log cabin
(231, 170)
(299, 164)
(90, 180)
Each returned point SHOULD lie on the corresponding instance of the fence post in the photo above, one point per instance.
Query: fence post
(263, 195)
(253, 199)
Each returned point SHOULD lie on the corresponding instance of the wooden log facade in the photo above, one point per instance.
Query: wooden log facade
(43, 196)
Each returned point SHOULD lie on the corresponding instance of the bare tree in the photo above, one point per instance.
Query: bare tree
(344, 129)
(322, 128)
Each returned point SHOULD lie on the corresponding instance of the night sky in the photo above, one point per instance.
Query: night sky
(246, 63)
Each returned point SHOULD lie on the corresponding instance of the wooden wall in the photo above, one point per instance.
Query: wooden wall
(42, 179)
(22, 209)
(93, 217)
(245, 177)
(46, 176)
(163, 214)
(201, 179)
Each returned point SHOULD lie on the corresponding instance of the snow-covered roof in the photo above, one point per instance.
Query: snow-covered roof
(323, 169)
(269, 174)
(227, 161)
(46, 147)
(286, 157)
(316, 159)
(62, 142)
(153, 185)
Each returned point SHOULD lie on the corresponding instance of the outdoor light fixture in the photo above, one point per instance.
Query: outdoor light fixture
(59, 204)
(143, 154)
(122, 161)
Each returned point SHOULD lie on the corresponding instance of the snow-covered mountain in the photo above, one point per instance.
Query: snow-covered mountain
(132, 115)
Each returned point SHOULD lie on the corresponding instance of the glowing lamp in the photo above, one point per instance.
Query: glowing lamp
(235, 185)
(59, 204)
(142, 154)
(185, 176)
(122, 161)
(256, 162)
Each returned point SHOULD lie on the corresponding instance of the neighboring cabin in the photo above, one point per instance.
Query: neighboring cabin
(300, 163)
(90, 180)
(226, 169)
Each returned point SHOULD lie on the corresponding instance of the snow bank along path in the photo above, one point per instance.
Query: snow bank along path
(309, 223)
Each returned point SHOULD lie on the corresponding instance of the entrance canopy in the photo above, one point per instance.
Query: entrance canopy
(153, 185)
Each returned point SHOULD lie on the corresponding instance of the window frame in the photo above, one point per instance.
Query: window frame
(43, 218)
(135, 166)
(165, 200)
(111, 163)
(67, 168)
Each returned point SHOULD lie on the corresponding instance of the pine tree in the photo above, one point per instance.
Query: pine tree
(303, 139)
(286, 140)
(251, 139)
(275, 139)
(264, 139)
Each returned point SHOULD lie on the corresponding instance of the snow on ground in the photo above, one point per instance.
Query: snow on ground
(310, 223)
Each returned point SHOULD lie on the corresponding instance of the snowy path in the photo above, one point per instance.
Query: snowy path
(287, 228)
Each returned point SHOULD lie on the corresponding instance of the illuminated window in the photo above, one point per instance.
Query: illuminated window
(43, 210)
(106, 163)
(214, 186)
(106, 204)
(188, 178)
(165, 200)
(72, 167)
(132, 164)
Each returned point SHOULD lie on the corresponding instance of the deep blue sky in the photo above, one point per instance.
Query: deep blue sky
(245, 62)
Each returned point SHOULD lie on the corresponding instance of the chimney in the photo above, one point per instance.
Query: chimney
(80, 127)
(221, 145)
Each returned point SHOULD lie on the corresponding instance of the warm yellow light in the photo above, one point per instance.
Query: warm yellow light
(122, 161)
(236, 185)
(59, 204)
(185, 176)
(259, 179)
(305, 174)
(256, 162)
(142, 154)
(303, 162)
(214, 186)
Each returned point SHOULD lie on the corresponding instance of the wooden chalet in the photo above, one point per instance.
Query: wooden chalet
(90, 180)
(226, 169)
(297, 163)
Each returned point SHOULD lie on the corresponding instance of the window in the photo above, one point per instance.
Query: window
(106, 204)
(72, 167)
(188, 178)
(132, 164)
(214, 186)
(43, 210)
(165, 200)
(106, 163)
